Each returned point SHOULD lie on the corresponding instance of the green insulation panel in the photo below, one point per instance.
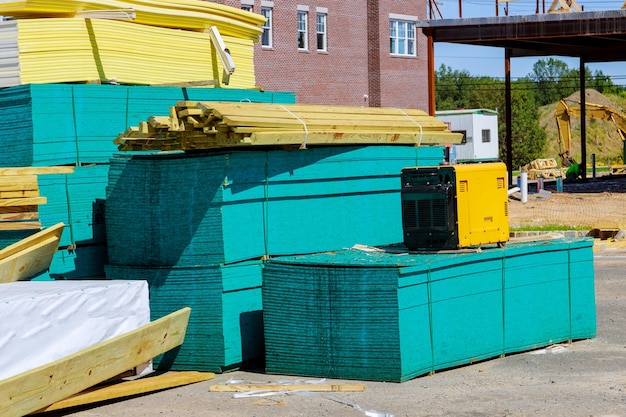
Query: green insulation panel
(225, 328)
(388, 315)
(75, 124)
(60, 124)
(223, 207)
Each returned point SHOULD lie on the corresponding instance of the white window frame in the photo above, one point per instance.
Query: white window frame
(402, 35)
(303, 30)
(321, 31)
(266, 37)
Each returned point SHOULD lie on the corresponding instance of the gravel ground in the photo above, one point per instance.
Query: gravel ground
(584, 378)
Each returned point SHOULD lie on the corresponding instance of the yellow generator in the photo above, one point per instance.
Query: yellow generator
(455, 206)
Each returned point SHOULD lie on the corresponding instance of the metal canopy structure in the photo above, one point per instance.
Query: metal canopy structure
(596, 36)
(590, 36)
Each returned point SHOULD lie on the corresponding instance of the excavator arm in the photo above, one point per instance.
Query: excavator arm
(592, 111)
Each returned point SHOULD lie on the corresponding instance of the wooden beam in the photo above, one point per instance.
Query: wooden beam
(40, 387)
(26, 201)
(123, 389)
(20, 225)
(37, 170)
(31, 255)
(288, 387)
(29, 262)
(52, 231)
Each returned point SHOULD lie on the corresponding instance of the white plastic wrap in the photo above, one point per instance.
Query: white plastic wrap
(41, 322)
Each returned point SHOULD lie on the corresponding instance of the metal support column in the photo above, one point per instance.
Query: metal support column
(507, 105)
(583, 122)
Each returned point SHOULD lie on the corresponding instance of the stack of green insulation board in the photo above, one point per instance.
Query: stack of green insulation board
(388, 315)
(224, 207)
(61, 124)
(76, 124)
(226, 324)
(197, 226)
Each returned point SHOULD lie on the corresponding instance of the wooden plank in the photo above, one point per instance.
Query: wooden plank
(37, 170)
(38, 388)
(20, 225)
(29, 262)
(19, 216)
(18, 209)
(55, 230)
(18, 182)
(288, 387)
(19, 194)
(123, 389)
(27, 201)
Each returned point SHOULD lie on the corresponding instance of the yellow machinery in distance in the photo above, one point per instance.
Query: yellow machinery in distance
(592, 111)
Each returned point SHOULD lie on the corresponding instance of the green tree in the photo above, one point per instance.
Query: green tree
(552, 80)
(528, 137)
(457, 89)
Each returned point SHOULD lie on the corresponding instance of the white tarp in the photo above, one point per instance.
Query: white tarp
(41, 322)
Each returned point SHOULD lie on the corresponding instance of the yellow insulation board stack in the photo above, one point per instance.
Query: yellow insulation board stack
(57, 50)
(207, 125)
(194, 15)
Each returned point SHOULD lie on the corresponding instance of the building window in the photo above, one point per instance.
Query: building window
(266, 38)
(321, 31)
(302, 30)
(486, 135)
(246, 8)
(402, 37)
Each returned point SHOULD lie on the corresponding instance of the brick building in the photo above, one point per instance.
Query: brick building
(364, 53)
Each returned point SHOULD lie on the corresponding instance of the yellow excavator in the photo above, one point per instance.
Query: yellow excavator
(592, 111)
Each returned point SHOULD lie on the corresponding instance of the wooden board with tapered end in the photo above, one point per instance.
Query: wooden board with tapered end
(124, 389)
(38, 388)
(52, 231)
(29, 262)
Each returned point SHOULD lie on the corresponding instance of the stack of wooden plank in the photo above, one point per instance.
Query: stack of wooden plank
(20, 197)
(386, 315)
(197, 226)
(206, 125)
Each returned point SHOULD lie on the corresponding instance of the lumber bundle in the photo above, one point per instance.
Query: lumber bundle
(20, 197)
(385, 316)
(208, 125)
(544, 168)
(59, 50)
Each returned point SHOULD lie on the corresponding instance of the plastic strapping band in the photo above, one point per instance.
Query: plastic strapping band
(306, 130)
(416, 122)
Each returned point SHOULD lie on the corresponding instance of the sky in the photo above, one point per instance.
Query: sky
(489, 61)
